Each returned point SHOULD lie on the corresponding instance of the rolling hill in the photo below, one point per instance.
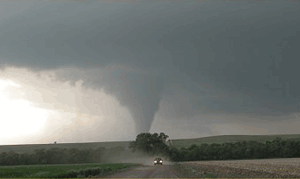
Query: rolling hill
(178, 143)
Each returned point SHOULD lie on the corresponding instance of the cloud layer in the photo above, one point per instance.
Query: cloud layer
(199, 56)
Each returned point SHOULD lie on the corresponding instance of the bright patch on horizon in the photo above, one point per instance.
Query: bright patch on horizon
(4, 84)
(18, 116)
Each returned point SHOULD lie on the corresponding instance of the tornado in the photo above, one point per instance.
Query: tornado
(140, 94)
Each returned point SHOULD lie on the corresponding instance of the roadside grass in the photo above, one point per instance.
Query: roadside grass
(209, 175)
(61, 170)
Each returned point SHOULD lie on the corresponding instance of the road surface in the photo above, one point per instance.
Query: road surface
(147, 171)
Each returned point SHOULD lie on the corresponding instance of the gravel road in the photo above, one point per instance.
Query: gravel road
(147, 171)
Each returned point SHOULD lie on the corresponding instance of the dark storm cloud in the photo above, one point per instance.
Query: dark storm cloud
(204, 57)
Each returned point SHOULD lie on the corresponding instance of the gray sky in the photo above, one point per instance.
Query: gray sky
(88, 71)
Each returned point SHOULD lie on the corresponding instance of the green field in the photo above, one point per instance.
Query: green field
(176, 142)
(53, 171)
(31, 147)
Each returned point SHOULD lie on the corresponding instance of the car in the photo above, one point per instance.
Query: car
(158, 161)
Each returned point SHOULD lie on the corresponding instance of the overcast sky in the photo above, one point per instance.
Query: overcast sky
(96, 70)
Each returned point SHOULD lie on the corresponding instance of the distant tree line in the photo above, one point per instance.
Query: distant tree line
(58, 156)
(277, 148)
(155, 144)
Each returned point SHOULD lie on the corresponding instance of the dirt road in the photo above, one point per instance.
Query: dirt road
(147, 171)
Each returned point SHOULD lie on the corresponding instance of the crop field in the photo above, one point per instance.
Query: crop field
(61, 170)
(262, 168)
(176, 142)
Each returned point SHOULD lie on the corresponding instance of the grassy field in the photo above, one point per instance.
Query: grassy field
(177, 142)
(53, 171)
(31, 147)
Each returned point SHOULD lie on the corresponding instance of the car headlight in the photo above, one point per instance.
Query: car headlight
(154, 161)
(160, 161)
